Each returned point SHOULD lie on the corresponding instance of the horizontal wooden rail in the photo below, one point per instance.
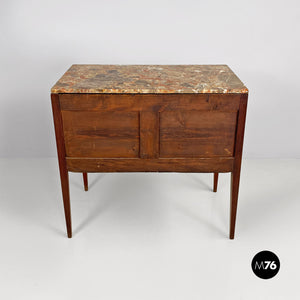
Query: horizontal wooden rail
(204, 165)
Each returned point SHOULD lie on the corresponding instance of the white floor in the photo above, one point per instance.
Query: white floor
(147, 236)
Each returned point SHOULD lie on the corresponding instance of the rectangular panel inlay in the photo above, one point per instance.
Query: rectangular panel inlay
(101, 134)
(197, 133)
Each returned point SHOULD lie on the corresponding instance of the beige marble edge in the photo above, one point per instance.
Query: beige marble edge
(144, 91)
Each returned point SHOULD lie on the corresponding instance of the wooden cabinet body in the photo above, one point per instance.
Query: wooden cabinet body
(131, 133)
(149, 132)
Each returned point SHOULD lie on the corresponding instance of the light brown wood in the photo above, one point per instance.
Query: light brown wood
(149, 102)
(149, 134)
(197, 133)
(101, 134)
(100, 102)
(205, 165)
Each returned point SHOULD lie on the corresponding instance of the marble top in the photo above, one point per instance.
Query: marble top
(149, 79)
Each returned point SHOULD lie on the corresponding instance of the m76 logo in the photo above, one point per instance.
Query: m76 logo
(264, 265)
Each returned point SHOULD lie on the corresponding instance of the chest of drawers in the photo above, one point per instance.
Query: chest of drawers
(145, 118)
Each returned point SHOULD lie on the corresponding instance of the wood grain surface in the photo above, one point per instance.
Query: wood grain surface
(197, 133)
(205, 165)
(149, 134)
(101, 134)
(149, 102)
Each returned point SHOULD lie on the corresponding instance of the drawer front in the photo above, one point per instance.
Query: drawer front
(191, 134)
(101, 134)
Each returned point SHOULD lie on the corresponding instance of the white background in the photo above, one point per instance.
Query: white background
(258, 39)
(148, 236)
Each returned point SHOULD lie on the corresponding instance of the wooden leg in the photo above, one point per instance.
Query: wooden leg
(64, 178)
(61, 153)
(235, 175)
(85, 181)
(216, 177)
(235, 182)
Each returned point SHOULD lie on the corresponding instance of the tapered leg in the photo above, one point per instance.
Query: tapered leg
(216, 177)
(85, 181)
(235, 182)
(64, 178)
(61, 153)
(235, 175)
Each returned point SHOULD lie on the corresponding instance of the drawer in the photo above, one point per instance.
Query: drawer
(101, 134)
(197, 134)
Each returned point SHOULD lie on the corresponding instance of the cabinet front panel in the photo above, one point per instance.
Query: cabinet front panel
(197, 134)
(101, 134)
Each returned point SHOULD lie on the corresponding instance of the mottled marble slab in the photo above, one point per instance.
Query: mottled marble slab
(149, 79)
